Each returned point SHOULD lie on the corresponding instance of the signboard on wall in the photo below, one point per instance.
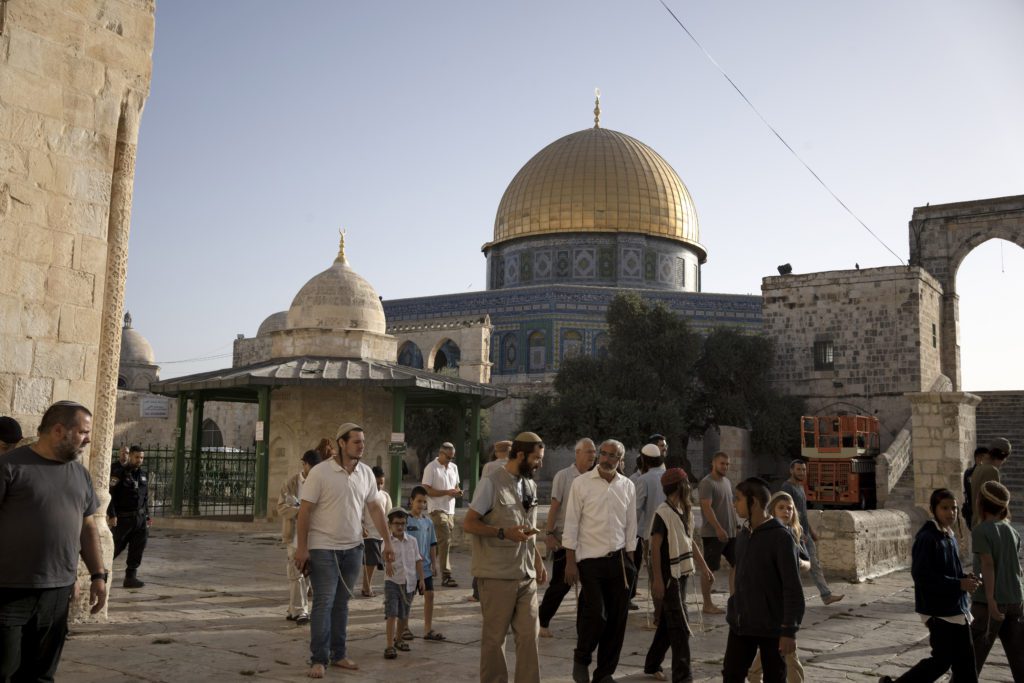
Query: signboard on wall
(155, 406)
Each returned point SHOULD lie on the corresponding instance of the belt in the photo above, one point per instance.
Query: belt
(614, 553)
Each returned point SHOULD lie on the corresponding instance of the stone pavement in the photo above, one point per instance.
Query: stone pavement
(214, 604)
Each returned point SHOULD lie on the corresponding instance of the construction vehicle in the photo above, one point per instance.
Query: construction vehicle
(840, 451)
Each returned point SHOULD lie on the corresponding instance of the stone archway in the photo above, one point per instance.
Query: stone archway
(942, 236)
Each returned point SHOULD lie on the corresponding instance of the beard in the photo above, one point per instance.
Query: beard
(67, 451)
(526, 470)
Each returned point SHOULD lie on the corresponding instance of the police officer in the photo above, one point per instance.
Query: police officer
(128, 512)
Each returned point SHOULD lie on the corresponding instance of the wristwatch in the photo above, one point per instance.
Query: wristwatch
(105, 575)
(501, 533)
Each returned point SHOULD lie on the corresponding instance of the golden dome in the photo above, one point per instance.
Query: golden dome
(597, 180)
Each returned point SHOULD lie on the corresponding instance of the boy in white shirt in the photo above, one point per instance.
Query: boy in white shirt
(404, 578)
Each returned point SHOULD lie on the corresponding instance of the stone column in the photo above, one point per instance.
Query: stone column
(950, 332)
(943, 428)
(105, 405)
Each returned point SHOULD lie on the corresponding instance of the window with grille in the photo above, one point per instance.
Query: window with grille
(824, 355)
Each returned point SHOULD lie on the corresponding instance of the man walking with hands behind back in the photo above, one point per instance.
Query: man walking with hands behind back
(794, 486)
(599, 540)
(47, 504)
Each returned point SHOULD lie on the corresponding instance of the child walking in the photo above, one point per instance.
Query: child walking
(996, 606)
(940, 597)
(765, 612)
(404, 578)
(371, 539)
(422, 529)
(782, 507)
(672, 561)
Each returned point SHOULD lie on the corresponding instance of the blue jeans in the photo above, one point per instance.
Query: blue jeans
(333, 575)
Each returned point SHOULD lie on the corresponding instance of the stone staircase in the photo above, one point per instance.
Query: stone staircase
(902, 495)
(1001, 413)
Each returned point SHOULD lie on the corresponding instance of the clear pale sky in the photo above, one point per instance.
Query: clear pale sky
(270, 125)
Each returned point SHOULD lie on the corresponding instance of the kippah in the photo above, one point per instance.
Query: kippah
(529, 437)
(996, 493)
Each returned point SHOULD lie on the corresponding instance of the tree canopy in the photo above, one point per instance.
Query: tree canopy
(661, 376)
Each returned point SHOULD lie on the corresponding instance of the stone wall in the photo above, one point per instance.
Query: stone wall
(944, 441)
(856, 546)
(301, 416)
(882, 324)
(472, 336)
(73, 80)
(236, 421)
(1001, 414)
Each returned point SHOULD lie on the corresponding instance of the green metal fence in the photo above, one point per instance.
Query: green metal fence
(227, 482)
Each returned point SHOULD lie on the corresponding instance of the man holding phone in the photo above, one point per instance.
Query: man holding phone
(507, 562)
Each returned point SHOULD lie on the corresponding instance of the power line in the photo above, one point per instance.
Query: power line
(193, 360)
(777, 134)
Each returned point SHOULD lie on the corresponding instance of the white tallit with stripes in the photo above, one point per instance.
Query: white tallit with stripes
(680, 545)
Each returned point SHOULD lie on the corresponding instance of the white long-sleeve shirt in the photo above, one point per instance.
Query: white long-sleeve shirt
(600, 516)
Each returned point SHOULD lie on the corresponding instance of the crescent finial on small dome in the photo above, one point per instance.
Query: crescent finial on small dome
(341, 248)
(597, 107)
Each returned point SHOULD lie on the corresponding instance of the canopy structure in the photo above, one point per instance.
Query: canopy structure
(253, 384)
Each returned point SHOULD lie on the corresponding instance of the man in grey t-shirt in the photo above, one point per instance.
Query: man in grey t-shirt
(46, 507)
(718, 533)
(794, 486)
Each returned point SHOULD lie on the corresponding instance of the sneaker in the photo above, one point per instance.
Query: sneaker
(832, 599)
(633, 606)
(545, 632)
(302, 619)
(132, 581)
(580, 673)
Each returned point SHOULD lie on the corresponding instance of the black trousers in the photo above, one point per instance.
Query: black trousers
(33, 626)
(1009, 631)
(556, 591)
(131, 532)
(638, 559)
(739, 655)
(602, 611)
(674, 630)
(952, 647)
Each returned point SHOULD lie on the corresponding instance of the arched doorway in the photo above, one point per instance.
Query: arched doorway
(941, 237)
(410, 356)
(447, 357)
(991, 276)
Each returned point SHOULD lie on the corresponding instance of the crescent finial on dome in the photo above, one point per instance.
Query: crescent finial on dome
(341, 248)
(597, 107)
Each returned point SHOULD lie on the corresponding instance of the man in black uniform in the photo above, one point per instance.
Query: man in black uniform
(128, 512)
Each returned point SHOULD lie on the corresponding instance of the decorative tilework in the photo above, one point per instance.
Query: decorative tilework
(511, 269)
(630, 263)
(542, 265)
(606, 262)
(666, 269)
(650, 256)
(526, 266)
(562, 265)
(584, 263)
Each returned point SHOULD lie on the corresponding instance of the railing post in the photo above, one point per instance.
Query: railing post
(260, 503)
(197, 446)
(396, 449)
(178, 485)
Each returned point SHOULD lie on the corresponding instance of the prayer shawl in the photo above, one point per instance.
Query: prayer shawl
(680, 547)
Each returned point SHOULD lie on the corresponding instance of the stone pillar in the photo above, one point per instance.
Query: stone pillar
(105, 405)
(950, 342)
(943, 425)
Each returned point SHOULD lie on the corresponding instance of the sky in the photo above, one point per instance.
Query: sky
(271, 125)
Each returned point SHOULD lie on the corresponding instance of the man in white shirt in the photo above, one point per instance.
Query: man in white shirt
(649, 496)
(330, 543)
(441, 480)
(501, 449)
(599, 539)
(288, 503)
(558, 588)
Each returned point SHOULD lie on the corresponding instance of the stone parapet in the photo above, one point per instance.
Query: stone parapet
(944, 440)
(858, 545)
